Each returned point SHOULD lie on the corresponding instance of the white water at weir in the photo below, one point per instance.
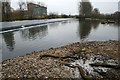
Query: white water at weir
(29, 22)
(23, 26)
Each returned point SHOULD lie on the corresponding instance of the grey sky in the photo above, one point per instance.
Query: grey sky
(71, 6)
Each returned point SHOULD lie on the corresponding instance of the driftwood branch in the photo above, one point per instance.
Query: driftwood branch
(56, 56)
(100, 72)
(105, 65)
(82, 73)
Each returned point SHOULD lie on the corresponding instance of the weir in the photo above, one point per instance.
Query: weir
(8, 26)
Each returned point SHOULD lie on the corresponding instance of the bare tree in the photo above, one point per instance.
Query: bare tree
(85, 8)
(6, 11)
(22, 5)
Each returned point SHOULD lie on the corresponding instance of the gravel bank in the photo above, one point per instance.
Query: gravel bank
(32, 66)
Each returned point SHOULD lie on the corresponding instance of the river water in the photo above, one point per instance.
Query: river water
(53, 35)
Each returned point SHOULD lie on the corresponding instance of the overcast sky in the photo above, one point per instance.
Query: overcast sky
(71, 6)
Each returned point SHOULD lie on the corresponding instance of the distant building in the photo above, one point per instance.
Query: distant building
(35, 10)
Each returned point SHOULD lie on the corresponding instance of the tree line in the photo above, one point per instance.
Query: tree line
(86, 10)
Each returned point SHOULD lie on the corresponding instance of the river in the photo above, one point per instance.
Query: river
(53, 35)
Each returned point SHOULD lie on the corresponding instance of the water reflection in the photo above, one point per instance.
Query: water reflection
(55, 35)
(9, 40)
(85, 27)
(95, 24)
(54, 25)
(65, 23)
(33, 33)
(114, 25)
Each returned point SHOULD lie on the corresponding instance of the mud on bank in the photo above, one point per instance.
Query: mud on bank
(63, 62)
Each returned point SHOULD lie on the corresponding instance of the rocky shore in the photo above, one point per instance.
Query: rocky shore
(70, 61)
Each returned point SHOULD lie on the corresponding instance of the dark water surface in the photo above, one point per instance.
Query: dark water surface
(54, 35)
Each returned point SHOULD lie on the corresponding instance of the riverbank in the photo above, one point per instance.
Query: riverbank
(61, 62)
